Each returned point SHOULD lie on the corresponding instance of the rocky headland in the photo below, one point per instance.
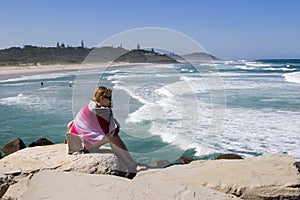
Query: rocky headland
(42, 56)
(33, 55)
(48, 172)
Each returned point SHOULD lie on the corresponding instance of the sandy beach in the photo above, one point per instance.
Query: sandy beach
(15, 71)
(11, 70)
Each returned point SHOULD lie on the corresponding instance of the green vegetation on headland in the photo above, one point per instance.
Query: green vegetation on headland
(33, 55)
(144, 56)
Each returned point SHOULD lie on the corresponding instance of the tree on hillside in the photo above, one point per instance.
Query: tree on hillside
(82, 44)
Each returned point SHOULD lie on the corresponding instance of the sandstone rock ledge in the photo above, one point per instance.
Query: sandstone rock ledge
(49, 173)
(55, 157)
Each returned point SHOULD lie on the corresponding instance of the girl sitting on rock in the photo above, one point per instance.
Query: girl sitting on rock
(96, 125)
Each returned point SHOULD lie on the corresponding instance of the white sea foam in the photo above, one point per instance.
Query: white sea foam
(20, 100)
(257, 64)
(279, 69)
(231, 62)
(113, 71)
(130, 91)
(37, 77)
(161, 66)
(249, 131)
(293, 77)
(210, 64)
(197, 84)
(174, 114)
(184, 70)
(244, 67)
(9, 84)
(235, 80)
(35, 102)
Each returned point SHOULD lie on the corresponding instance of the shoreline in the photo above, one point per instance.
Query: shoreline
(18, 71)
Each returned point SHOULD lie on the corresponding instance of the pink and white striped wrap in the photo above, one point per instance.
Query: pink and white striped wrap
(93, 123)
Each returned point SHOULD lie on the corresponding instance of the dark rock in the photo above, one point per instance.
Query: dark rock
(1, 155)
(13, 146)
(41, 142)
(129, 175)
(5, 182)
(297, 164)
(228, 156)
(3, 189)
(185, 160)
(160, 164)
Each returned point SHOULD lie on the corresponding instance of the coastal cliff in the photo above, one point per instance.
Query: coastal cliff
(49, 172)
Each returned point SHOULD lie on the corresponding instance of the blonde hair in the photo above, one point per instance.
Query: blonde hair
(102, 91)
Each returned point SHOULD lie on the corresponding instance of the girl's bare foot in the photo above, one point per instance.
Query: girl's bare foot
(141, 168)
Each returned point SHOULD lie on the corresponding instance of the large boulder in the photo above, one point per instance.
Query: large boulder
(49, 172)
(55, 157)
(264, 177)
(41, 142)
(228, 156)
(13, 146)
(185, 160)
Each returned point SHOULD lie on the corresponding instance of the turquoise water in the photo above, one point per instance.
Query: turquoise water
(245, 107)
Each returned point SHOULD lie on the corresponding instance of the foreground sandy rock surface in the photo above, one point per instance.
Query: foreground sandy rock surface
(49, 173)
(273, 176)
(59, 185)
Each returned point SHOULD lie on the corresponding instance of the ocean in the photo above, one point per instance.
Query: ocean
(250, 108)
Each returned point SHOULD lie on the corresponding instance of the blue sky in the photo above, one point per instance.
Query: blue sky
(228, 29)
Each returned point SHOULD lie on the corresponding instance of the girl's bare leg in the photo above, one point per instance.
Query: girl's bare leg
(95, 147)
(121, 151)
